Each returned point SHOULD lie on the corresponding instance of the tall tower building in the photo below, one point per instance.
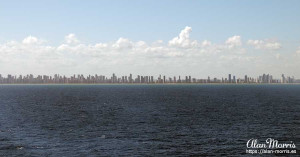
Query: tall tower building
(234, 81)
(113, 78)
(229, 78)
(130, 78)
(138, 79)
(283, 79)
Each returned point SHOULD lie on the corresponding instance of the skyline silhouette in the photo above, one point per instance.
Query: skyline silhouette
(139, 79)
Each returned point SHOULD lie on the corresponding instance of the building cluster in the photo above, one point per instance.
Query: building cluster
(98, 79)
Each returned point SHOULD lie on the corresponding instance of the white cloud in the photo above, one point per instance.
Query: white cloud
(234, 41)
(101, 45)
(206, 43)
(71, 39)
(123, 43)
(181, 55)
(140, 44)
(264, 44)
(32, 40)
(183, 40)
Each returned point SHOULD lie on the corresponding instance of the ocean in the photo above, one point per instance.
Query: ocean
(144, 120)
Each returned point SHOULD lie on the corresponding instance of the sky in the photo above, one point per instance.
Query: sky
(199, 38)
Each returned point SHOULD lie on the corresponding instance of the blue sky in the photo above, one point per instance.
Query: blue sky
(93, 22)
(150, 20)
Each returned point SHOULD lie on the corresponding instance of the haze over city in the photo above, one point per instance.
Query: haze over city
(150, 38)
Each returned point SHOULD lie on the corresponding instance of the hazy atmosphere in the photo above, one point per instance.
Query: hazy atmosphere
(150, 38)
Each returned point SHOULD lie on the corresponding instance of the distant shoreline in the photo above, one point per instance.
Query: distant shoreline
(152, 84)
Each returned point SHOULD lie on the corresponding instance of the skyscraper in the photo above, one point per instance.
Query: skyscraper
(229, 78)
(234, 80)
(282, 78)
(130, 78)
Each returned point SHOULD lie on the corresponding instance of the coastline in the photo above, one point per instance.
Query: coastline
(146, 84)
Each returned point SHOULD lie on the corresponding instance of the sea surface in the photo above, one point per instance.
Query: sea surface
(144, 120)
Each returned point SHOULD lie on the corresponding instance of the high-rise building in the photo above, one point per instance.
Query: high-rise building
(283, 79)
(130, 78)
(265, 78)
(138, 79)
(234, 81)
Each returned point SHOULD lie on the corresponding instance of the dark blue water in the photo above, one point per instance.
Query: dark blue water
(144, 120)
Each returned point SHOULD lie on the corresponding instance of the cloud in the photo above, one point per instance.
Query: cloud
(140, 44)
(123, 43)
(101, 45)
(32, 40)
(206, 43)
(233, 42)
(180, 55)
(71, 39)
(264, 44)
(183, 40)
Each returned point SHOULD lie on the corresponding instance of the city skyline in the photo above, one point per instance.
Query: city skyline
(198, 38)
(149, 77)
(140, 79)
